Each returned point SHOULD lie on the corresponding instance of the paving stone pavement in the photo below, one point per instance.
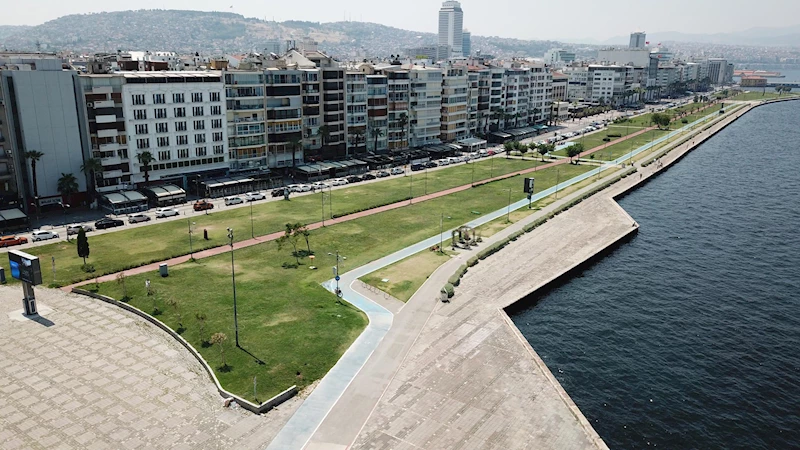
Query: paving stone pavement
(91, 375)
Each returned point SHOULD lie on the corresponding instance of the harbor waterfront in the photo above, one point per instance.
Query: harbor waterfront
(686, 336)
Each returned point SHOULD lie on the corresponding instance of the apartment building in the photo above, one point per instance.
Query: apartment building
(398, 82)
(560, 83)
(541, 93)
(517, 90)
(356, 104)
(425, 105)
(454, 98)
(311, 85)
(41, 109)
(496, 97)
(334, 122)
(246, 120)
(577, 82)
(377, 113)
(609, 84)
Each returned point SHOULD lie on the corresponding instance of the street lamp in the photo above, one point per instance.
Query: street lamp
(426, 180)
(410, 187)
(191, 230)
(336, 272)
(64, 207)
(508, 208)
(233, 280)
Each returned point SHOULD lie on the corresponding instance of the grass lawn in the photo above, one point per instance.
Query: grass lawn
(759, 95)
(287, 320)
(405, 277)
(119, 250)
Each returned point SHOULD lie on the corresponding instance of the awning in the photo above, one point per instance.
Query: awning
(541, 127)
(11, 214)
(472, 141)
(501, 134)
(167, 190)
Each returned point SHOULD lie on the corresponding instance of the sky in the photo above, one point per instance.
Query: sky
(572, 21)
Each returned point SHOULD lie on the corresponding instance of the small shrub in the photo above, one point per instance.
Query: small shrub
(684, 120)
(288, 265)
(606, 139)
(88, 268)
(614, 135)
(449, 290)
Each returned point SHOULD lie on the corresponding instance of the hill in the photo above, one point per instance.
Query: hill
(221, 32)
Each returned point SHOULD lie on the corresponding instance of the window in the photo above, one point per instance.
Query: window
(142, 143)
(216, 110)
(162, 127)
(217, 136)
(138, 99)
(216, 123)
(200, 151)
(199, 124)
(199, 138)
(158, 98)
(197, 97)
(161, 113)
(177, 98)
(140, 114)
(182, 140)
(180, 112)
(141, 128)
(180, 126)
(163, 141)
(183, 153)
(219, 150)
(214, 96)
(163, 155)
(197, 110)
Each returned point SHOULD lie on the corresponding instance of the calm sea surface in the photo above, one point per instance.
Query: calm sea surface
(688, 336)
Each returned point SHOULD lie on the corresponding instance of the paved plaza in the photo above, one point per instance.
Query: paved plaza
(89, 375)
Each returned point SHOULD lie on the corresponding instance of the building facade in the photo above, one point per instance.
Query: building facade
(451, 21)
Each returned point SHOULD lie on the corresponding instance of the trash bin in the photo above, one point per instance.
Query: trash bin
(162, 269)
(2, 275)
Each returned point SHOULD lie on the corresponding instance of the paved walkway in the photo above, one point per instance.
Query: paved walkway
(90, 375)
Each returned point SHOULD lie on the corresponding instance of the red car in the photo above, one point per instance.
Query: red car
(8, 241)
(202, 205)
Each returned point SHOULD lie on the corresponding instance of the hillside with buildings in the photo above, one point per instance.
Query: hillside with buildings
(218, 33)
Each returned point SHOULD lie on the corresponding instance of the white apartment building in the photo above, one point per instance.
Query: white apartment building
(558, 57)
(451, 21)
(609, 84)
(399, 95)
(541, 93)
(178, 117)
(377, 113)
(425, 105)
(577, 83)
(356, 104)
(454, 113)
(518, 99)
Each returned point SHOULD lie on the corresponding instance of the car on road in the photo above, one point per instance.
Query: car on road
(368, 176)
(136, 218)
(202, 205)
(417, 167)
(43, 235)
(382, 174)
(320, 185)
(8, 241)
(354, 179)
(108, 222)
(253, 196)
(278, 192)
(166, 212)
(443, 162)
(338, 182)
(75, 228)
(233, 201)
(398, 171)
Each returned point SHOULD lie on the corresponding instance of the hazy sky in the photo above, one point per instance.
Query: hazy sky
(525, 19)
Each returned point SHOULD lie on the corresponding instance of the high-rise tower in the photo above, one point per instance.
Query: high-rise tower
(637, 39)
(451, 19)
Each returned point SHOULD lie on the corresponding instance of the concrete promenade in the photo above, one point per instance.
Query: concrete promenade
(460, 374)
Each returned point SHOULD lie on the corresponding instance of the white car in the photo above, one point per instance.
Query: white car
(293, 187)
(75, 228)
(136, 218)
(398, 171)
(306, 188)
(166, 212)
(253, 196)
(233, 201)
(42, 235)
(320, 185)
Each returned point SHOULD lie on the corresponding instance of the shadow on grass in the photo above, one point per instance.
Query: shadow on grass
(257, 360)
(225, 368)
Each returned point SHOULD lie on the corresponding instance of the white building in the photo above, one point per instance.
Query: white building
(425, 105)
(577, 82)
(638, 40)
(558, 57)
(611, 84)
(454, 103)
(636, 57)
(451, 19)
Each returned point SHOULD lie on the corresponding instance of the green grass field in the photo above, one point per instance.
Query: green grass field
(134, 247)
(760, 95)
(287, 320)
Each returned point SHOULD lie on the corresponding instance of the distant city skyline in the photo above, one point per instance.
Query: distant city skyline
(599, 22)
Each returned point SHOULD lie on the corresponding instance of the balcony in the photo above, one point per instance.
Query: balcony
(248, 119)
(113, 147)
(101, 90)
(111, 161)
(104, 104)
(106, 119)
(107, 133)
(112, 174)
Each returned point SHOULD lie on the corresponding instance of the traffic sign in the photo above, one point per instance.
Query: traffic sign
(337, 278)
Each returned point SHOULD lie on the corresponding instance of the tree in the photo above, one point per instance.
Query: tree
(574, 150)
(121, 281)
(662, 120)
(145, 159)
(376, 133)
(325, 133)
(291, 236)
(522, 148)
(201, 323)
(219, 339)
(543, 149)
(359, 137)
(91, 167)
(294, 144)
(306, 233)
(83, 245)
(67, 185)
(33, 156)
(508, 147)
(403, 122)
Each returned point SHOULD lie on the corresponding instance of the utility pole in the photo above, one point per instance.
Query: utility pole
(233, 280)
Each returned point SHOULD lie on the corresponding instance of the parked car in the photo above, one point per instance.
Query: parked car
(306, 188)
(75, 228)
(294, 188)
(166, 212)
(443, 162)
(319, 185)
(383, 174)
(108, 222)
(278, 192)
(338, 182)
(8, 241)
(431, 164)
(490, 152)
(43, 235)
(202, 205)
(233, 201)
(253, 196)
(368, 176)
(354, 179)
(136, 218)
(398, 171)
(417, 167)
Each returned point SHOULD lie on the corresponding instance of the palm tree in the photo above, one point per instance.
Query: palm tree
(91, 167)
(325, 132)
(376, 133)
(33, 156)
(403, 122)
(294, 144)
(145, 159)
(67, 185)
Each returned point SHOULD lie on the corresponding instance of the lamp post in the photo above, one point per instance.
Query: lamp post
(252, 226)
(441, 232)
(473, 173)
(410, 187)
(508, 208)
(322, 198)
(191, 230)
(336, 272)
(556, 183)
(64, 207)
(426, 180)
(233, 281)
